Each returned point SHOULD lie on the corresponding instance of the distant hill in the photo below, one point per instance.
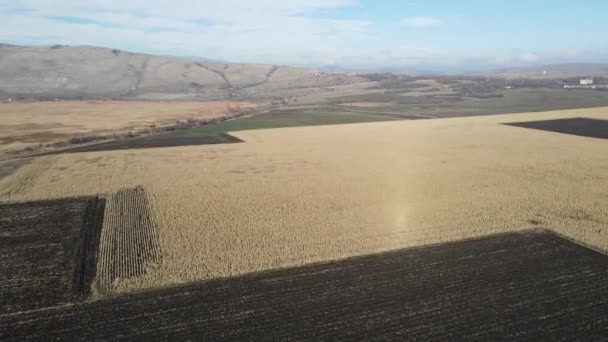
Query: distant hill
(551, 71)
(46, 72)
(195, 59)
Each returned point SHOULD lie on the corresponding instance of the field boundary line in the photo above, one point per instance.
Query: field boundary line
(86, 255)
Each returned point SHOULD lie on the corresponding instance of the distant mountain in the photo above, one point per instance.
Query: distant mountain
(550, 71)
(337, 68)
(195, 59)
(46, 72)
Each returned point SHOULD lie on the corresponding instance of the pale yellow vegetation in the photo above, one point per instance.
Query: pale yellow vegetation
(129, 239)
(298, 195)
(32, 123)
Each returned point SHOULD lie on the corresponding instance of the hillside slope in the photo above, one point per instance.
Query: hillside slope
(46, 72)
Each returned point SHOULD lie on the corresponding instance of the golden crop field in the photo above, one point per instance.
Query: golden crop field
(27, 124)
(129, 239)
(293, 196)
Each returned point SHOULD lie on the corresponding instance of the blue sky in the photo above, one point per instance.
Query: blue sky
(358, 34)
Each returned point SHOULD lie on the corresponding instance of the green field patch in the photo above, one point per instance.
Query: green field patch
(521, 100)
(218, 133)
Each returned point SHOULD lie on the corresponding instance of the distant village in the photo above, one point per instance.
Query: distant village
(592, 83)
(585, 83)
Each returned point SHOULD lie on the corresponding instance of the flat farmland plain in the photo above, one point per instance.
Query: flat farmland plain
(217, 133)
(293, 196)
(30, 124)
(453, 104)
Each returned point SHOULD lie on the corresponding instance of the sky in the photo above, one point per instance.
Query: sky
(429, 35)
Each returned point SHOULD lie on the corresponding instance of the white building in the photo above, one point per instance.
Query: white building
(586, 81)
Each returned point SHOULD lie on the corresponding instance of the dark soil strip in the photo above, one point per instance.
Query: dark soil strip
(154, 141)
(85, 262)
(522, 286)
(584, 127)
(40, 249)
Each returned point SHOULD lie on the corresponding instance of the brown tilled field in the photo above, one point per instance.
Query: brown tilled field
(294, 196)
(31, 124)
(524, 286)
(48, 252)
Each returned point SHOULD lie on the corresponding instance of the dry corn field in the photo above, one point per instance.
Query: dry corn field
(293, 196)
(129, 240)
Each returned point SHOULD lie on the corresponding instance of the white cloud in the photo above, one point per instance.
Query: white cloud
(422, 21)
(528, 57)
(294, 32)
(271, 31)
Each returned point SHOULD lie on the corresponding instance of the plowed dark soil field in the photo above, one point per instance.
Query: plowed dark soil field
(584, 127)
(154, 141)
(531, 285)
(47, 252)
